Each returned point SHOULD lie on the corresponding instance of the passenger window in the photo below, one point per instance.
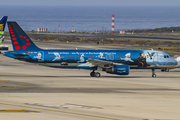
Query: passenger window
(50, 55)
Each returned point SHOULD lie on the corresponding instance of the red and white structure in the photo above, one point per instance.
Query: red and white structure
(41, 29)
(112, 23)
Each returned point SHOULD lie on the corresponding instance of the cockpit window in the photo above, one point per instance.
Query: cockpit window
(166, 56)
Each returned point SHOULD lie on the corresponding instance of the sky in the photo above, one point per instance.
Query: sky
(92, 2)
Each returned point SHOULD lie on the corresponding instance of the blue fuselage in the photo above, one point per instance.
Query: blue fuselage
(137, 59)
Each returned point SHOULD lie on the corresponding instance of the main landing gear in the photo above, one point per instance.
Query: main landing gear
(153, 73)
(165, 70)
(95, 74)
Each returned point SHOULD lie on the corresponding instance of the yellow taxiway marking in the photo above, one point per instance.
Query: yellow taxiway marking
(3, 80)
(72, 113)
(16, 111)
(18, 85)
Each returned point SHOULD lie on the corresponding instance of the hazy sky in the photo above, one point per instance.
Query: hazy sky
(92, 2)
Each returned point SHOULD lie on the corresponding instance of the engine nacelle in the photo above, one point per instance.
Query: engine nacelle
(118, 69)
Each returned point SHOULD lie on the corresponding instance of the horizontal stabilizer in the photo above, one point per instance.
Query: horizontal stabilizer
(19, 54)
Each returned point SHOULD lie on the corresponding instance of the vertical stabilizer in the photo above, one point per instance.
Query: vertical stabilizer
(2, 27)
(19, 39)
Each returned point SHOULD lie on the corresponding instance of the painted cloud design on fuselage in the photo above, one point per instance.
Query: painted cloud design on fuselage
(39, 56)
(82, 59)
(57, 56)
(101, 55)
(127, 57)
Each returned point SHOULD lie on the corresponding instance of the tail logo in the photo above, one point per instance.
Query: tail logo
(1, 27)
(14, 38)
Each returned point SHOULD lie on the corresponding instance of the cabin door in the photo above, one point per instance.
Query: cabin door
(155, 57)
(40, 56)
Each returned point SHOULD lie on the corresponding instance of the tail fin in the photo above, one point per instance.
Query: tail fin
(19, 39)
(2, 27)
(3, 23)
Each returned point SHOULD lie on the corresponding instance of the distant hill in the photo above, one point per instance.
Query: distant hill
(157, 30)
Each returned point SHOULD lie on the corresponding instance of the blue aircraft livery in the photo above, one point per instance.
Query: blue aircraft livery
(111, 61)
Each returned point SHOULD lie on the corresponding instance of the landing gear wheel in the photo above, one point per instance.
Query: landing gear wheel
(162, 70)
(92, 74)
(154, 75)
(97, 74)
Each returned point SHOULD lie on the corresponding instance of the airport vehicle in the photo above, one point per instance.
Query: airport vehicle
(2, 27)
(111, 61)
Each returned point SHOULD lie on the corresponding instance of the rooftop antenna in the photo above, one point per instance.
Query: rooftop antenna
(59, 28)
(133, 27)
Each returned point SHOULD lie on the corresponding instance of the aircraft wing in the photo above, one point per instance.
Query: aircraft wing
(102, 63)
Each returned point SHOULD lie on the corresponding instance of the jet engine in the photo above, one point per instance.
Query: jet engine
(118, 69)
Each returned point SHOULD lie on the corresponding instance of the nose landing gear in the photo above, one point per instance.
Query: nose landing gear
(95, 74)
(153, 73)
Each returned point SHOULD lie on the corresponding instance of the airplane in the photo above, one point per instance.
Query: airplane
(111, 61)
(2, 27)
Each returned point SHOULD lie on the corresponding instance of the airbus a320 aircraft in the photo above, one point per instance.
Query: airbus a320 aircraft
(111, 61)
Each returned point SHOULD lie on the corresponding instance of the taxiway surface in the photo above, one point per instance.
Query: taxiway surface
(29, 91)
